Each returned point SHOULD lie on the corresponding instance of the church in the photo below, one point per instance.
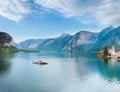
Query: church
(113, 52)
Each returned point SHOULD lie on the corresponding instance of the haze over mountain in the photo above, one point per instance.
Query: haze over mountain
(81, 41)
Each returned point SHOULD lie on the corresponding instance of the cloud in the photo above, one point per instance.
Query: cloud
(103, 11)
(109, 13)
(13, 9)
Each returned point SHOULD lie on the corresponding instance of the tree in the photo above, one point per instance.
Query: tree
(105, 52)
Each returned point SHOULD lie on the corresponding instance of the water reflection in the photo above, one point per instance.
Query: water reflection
(110, 69)
(4, 68)
(106, 61)
(78, 54)
(6, 55)
(65, 72)
(5, 64)
(56, 55)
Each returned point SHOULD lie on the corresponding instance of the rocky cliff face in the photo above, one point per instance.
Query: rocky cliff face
(55, 44)
(81, 38)
(6, 39)
(6, 42)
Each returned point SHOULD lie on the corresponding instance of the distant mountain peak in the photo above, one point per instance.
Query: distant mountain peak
(108, 28)
(111, 26)
(64, 34)
(82, 40)
(105, 31)
(83, 31)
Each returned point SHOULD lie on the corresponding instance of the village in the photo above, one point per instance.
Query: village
(109, 52)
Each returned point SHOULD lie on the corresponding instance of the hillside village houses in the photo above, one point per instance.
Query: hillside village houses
(114, 53)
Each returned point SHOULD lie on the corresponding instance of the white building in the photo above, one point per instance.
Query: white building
(112, 51)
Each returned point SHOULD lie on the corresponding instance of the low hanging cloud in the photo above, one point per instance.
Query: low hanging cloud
(105, 12)
(13, 9)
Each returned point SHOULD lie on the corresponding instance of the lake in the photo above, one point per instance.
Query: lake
(65, 72)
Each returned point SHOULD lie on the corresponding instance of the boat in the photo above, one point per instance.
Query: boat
(40, 62)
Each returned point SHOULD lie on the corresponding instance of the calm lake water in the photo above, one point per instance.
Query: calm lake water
(65, 72)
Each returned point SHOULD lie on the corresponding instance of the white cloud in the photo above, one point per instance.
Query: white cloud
(109, 13)
(104, 11)
(13, 9)
(67, 7)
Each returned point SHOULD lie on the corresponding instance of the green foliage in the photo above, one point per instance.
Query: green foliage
(14, 49)
(28, 51)
(8, 49)
(105, 52)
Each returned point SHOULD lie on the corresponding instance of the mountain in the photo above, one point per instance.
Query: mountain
(110, 36)
(52, 44)
(6, 42)
(104, 32)
(56, 44)
(63, 42)
(80, 41)
(105, 38)
(30, 43)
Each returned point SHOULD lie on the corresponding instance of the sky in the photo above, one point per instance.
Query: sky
(35, 19)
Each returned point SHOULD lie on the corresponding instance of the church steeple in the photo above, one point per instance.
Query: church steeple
(113, 43)
(113, 48)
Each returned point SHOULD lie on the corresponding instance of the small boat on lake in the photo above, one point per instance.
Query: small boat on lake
(40, 62)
